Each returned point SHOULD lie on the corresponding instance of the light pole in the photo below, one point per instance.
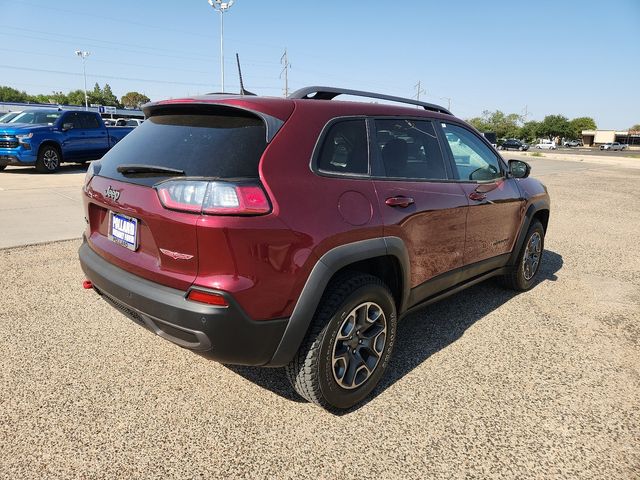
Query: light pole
(221, 7)
(83, 56)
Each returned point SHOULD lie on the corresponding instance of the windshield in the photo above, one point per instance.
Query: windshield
(8, 116)
(37, 118)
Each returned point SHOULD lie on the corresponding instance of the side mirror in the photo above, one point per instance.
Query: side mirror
(519, 169)
(67, 126)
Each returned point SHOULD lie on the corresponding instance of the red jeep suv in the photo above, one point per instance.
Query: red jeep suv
(297, 231)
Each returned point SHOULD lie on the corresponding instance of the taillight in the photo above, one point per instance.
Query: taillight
(92, 170)
(214, 198)
(209, 298)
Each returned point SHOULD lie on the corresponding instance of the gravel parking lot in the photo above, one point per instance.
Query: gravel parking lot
(485, 384)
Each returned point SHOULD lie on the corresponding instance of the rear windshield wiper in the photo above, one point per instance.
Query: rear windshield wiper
(134, 169)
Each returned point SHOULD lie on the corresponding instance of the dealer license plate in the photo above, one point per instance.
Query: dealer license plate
(123, 230)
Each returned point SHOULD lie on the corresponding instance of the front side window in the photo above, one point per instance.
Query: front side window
(474, 160)
(345, 148)
(409, 149)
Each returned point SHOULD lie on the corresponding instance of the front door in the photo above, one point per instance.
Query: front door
(496, 205)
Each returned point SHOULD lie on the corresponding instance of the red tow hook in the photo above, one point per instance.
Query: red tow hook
(86, 284)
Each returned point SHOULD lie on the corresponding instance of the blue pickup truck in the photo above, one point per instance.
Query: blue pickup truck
(47, 137)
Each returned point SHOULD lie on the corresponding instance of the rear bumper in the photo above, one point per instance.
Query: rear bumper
(226, 335)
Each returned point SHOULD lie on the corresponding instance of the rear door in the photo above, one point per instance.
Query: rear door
(73, 142)
(127, 223)
(496, 205)
(418, 199)
(94, 135)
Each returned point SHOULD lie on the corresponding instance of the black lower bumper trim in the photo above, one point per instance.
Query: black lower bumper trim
(226, 335)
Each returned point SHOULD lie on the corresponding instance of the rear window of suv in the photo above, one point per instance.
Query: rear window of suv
(214, 146)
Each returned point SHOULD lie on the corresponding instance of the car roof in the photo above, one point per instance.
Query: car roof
(282, 107)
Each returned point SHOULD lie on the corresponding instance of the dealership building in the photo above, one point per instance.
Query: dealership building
(592, 138)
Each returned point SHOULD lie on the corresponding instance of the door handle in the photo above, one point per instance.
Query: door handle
(478, 197)
(402, 202)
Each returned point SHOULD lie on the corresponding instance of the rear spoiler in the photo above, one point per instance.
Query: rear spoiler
(189, 106)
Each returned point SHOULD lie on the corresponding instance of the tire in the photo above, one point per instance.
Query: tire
(49, 158)
(329, 368)
(523, 274)
(2, 167)
(520, 149)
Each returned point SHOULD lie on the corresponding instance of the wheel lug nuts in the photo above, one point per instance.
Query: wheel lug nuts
(360, 341)
(353, 351)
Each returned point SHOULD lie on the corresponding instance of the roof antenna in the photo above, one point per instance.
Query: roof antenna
(242, 90)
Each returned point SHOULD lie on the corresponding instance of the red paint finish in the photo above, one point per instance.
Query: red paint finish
(494, 219)
(264, 261)
(432, 227)
(157, 228)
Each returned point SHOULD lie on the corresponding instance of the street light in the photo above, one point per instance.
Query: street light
(221, 7)
(83, 56)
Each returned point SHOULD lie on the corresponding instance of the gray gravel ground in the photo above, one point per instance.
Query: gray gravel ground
(486, 384)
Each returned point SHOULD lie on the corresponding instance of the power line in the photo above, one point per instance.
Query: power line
(284, 61)
(419, 91)
(112, 77)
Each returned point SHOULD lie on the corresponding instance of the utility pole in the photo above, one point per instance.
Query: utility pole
(284, 61)
(83, 56)
(448, 99)
(419, 91)
(221, 7)
(526, 113)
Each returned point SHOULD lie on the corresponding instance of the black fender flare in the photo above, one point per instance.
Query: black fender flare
(534, 207)
(331, 262)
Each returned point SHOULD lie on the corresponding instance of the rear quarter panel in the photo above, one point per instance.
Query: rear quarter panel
(321, 212)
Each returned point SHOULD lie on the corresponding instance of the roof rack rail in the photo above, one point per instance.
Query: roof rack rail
(329, 93)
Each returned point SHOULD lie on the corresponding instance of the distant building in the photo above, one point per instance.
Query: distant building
(598, 137)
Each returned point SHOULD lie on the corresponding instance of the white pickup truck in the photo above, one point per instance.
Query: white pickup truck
(613, 146)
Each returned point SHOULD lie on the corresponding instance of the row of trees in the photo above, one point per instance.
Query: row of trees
(100, 96)
(513, 125)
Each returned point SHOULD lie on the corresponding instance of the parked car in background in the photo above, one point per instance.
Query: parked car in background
(491, 138)
(314, 228)
(129, 122)
(613, 146)
(572, 143)
(109, 122)
(546, 145)
(7, 117)
(47, 137)
(513, 144)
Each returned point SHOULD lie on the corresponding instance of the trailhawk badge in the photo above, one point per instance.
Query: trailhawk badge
(112, 194)
(176, 255)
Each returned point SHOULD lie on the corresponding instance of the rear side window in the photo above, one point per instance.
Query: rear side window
(410, 149)
(215, 146)
(88, 120)
(345, 148)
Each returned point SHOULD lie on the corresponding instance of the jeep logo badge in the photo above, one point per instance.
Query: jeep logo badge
(112, 194)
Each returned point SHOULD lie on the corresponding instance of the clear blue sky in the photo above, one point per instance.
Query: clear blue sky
(570, 57)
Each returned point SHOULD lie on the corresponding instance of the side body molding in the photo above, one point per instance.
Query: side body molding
(325, 268)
